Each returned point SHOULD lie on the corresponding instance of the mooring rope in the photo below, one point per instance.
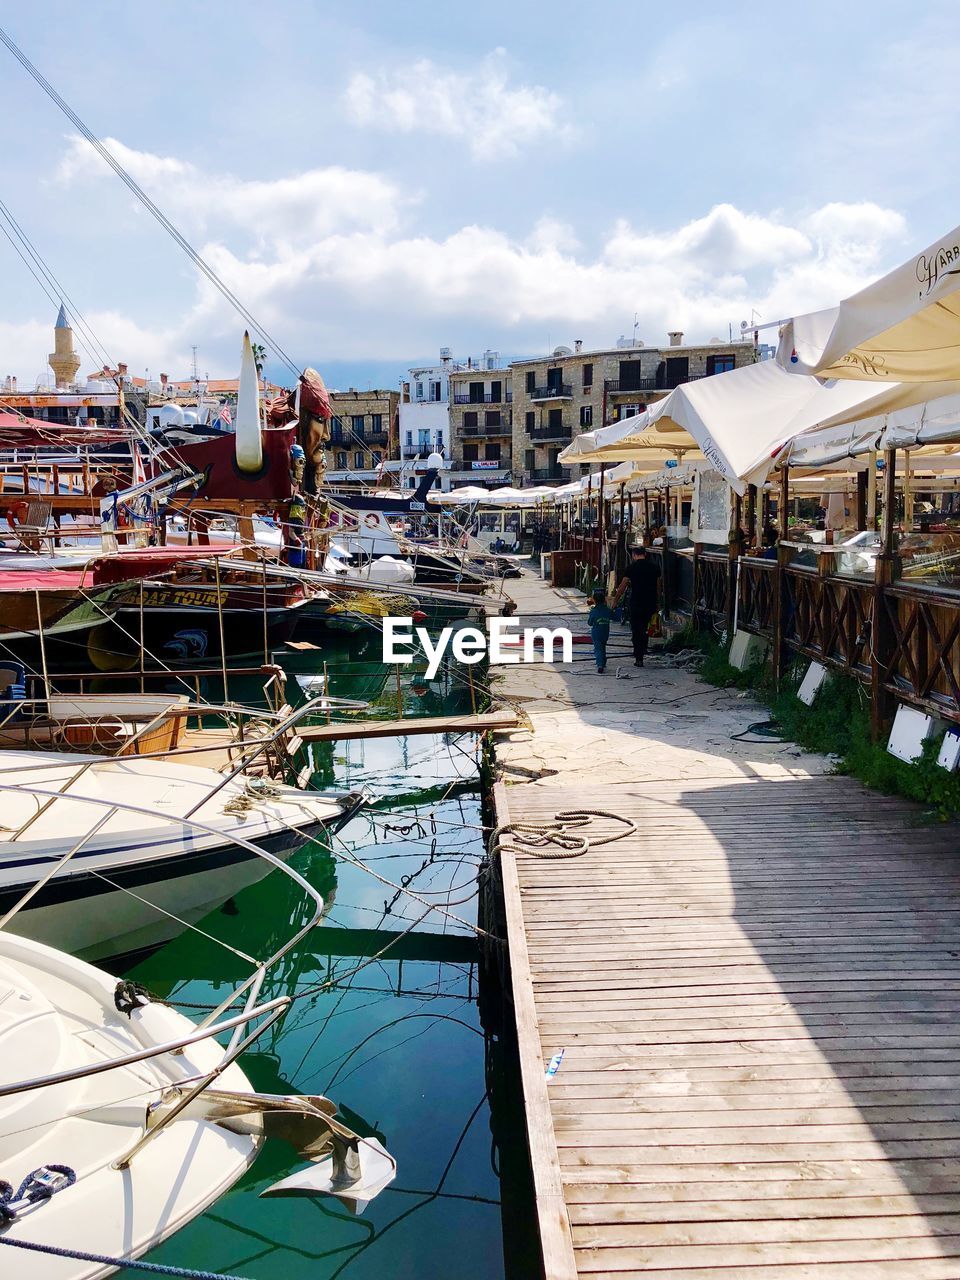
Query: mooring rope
(153, 1268)
(560, 836)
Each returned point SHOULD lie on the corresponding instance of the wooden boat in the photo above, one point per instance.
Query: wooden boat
(52, 601)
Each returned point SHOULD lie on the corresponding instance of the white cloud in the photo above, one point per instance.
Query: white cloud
(495, 118)
(332, 284)
(296, 208)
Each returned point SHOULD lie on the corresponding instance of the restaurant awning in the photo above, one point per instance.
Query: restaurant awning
(925, 425)
(742, 419)
(905, 327)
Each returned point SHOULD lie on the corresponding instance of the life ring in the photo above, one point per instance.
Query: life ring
(372, 520)
(17, 513)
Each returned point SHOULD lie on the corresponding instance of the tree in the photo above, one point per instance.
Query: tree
(259, 355)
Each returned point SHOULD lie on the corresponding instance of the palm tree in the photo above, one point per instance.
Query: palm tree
(259, 355)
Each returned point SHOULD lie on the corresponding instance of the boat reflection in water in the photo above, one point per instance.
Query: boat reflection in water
(387, 1023)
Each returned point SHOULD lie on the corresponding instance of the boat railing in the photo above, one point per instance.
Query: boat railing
(218, 1020)
(255, 731)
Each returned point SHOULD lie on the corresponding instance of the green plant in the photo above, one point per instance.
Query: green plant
(838, 724)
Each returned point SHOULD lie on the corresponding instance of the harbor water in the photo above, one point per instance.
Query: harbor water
(387, 1019)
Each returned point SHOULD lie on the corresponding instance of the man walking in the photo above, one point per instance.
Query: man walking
(643, 579)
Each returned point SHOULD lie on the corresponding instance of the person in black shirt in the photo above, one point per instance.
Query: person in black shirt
(643, 579)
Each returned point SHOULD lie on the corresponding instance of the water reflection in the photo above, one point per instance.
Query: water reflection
(386, 1021)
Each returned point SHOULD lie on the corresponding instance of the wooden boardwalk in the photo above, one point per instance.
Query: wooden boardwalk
(757, 996)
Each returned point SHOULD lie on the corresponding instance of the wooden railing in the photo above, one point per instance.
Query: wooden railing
(711, 585)
(756, 595)
(923, 658)
(902, 641)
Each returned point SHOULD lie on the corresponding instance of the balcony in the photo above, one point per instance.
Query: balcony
(563, 432)
(548, 473)
(462, 397)
(559, 391)
(504, 429)
(376, 437)
(619, 387)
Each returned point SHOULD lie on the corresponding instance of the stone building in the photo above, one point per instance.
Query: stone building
(361, 431)
(481, 421)
(558, 396)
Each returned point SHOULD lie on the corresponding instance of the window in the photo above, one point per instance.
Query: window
(531, 381)
(492, 417)
(409, 439)
(555, 419)
(492, 452)
(341, 460)
(471, 452)
(476, 393)
(555, 379)
(677, 370)
(530, 421)
(470, 419)
(356, 422)
(376, 458)
(496, 392)
(720, 364)
(358, 460)
(587, 376)
(376, 422)
(529, 457)
(440, 442)
(586, 415)
(630, 375)
(419, 389)
(336, 429)
(435, 391)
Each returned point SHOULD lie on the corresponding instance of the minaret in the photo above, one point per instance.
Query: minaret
(63, 360)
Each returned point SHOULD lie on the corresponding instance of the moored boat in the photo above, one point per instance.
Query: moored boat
(119, 854)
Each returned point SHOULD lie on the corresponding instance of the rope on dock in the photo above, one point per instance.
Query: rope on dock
(560, 836)
(153, 1268)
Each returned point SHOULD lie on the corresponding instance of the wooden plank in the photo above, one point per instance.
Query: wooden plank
(758, 999)
(351, 729)
(795, 1207)
(556, 1238)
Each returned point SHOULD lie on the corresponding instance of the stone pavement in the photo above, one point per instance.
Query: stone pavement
(655, 722)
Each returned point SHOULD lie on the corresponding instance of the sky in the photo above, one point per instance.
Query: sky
(375, 181)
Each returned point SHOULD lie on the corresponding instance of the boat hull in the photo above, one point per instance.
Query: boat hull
(181, 625)
(69, 913)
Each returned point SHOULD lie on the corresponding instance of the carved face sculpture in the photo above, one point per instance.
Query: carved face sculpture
(297, 466)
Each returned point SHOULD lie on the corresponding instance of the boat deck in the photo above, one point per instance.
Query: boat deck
(757, 998)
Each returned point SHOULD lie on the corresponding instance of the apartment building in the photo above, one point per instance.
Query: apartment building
(558, 396)
(360, 433)
(425, 411)
(481, 421)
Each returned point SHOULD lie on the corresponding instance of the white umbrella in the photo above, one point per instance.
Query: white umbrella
(742, 419)
(460, 497)
(631, 438)
(904, 327)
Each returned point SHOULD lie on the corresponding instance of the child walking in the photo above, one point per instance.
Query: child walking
(598, 621)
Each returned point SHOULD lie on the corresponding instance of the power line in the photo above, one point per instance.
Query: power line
(201, 264)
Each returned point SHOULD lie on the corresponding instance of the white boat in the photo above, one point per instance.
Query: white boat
(386, 569)
(111, 1134)
(223, 533)
(110, 880)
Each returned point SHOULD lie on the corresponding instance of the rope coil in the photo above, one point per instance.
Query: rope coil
(560, 836)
